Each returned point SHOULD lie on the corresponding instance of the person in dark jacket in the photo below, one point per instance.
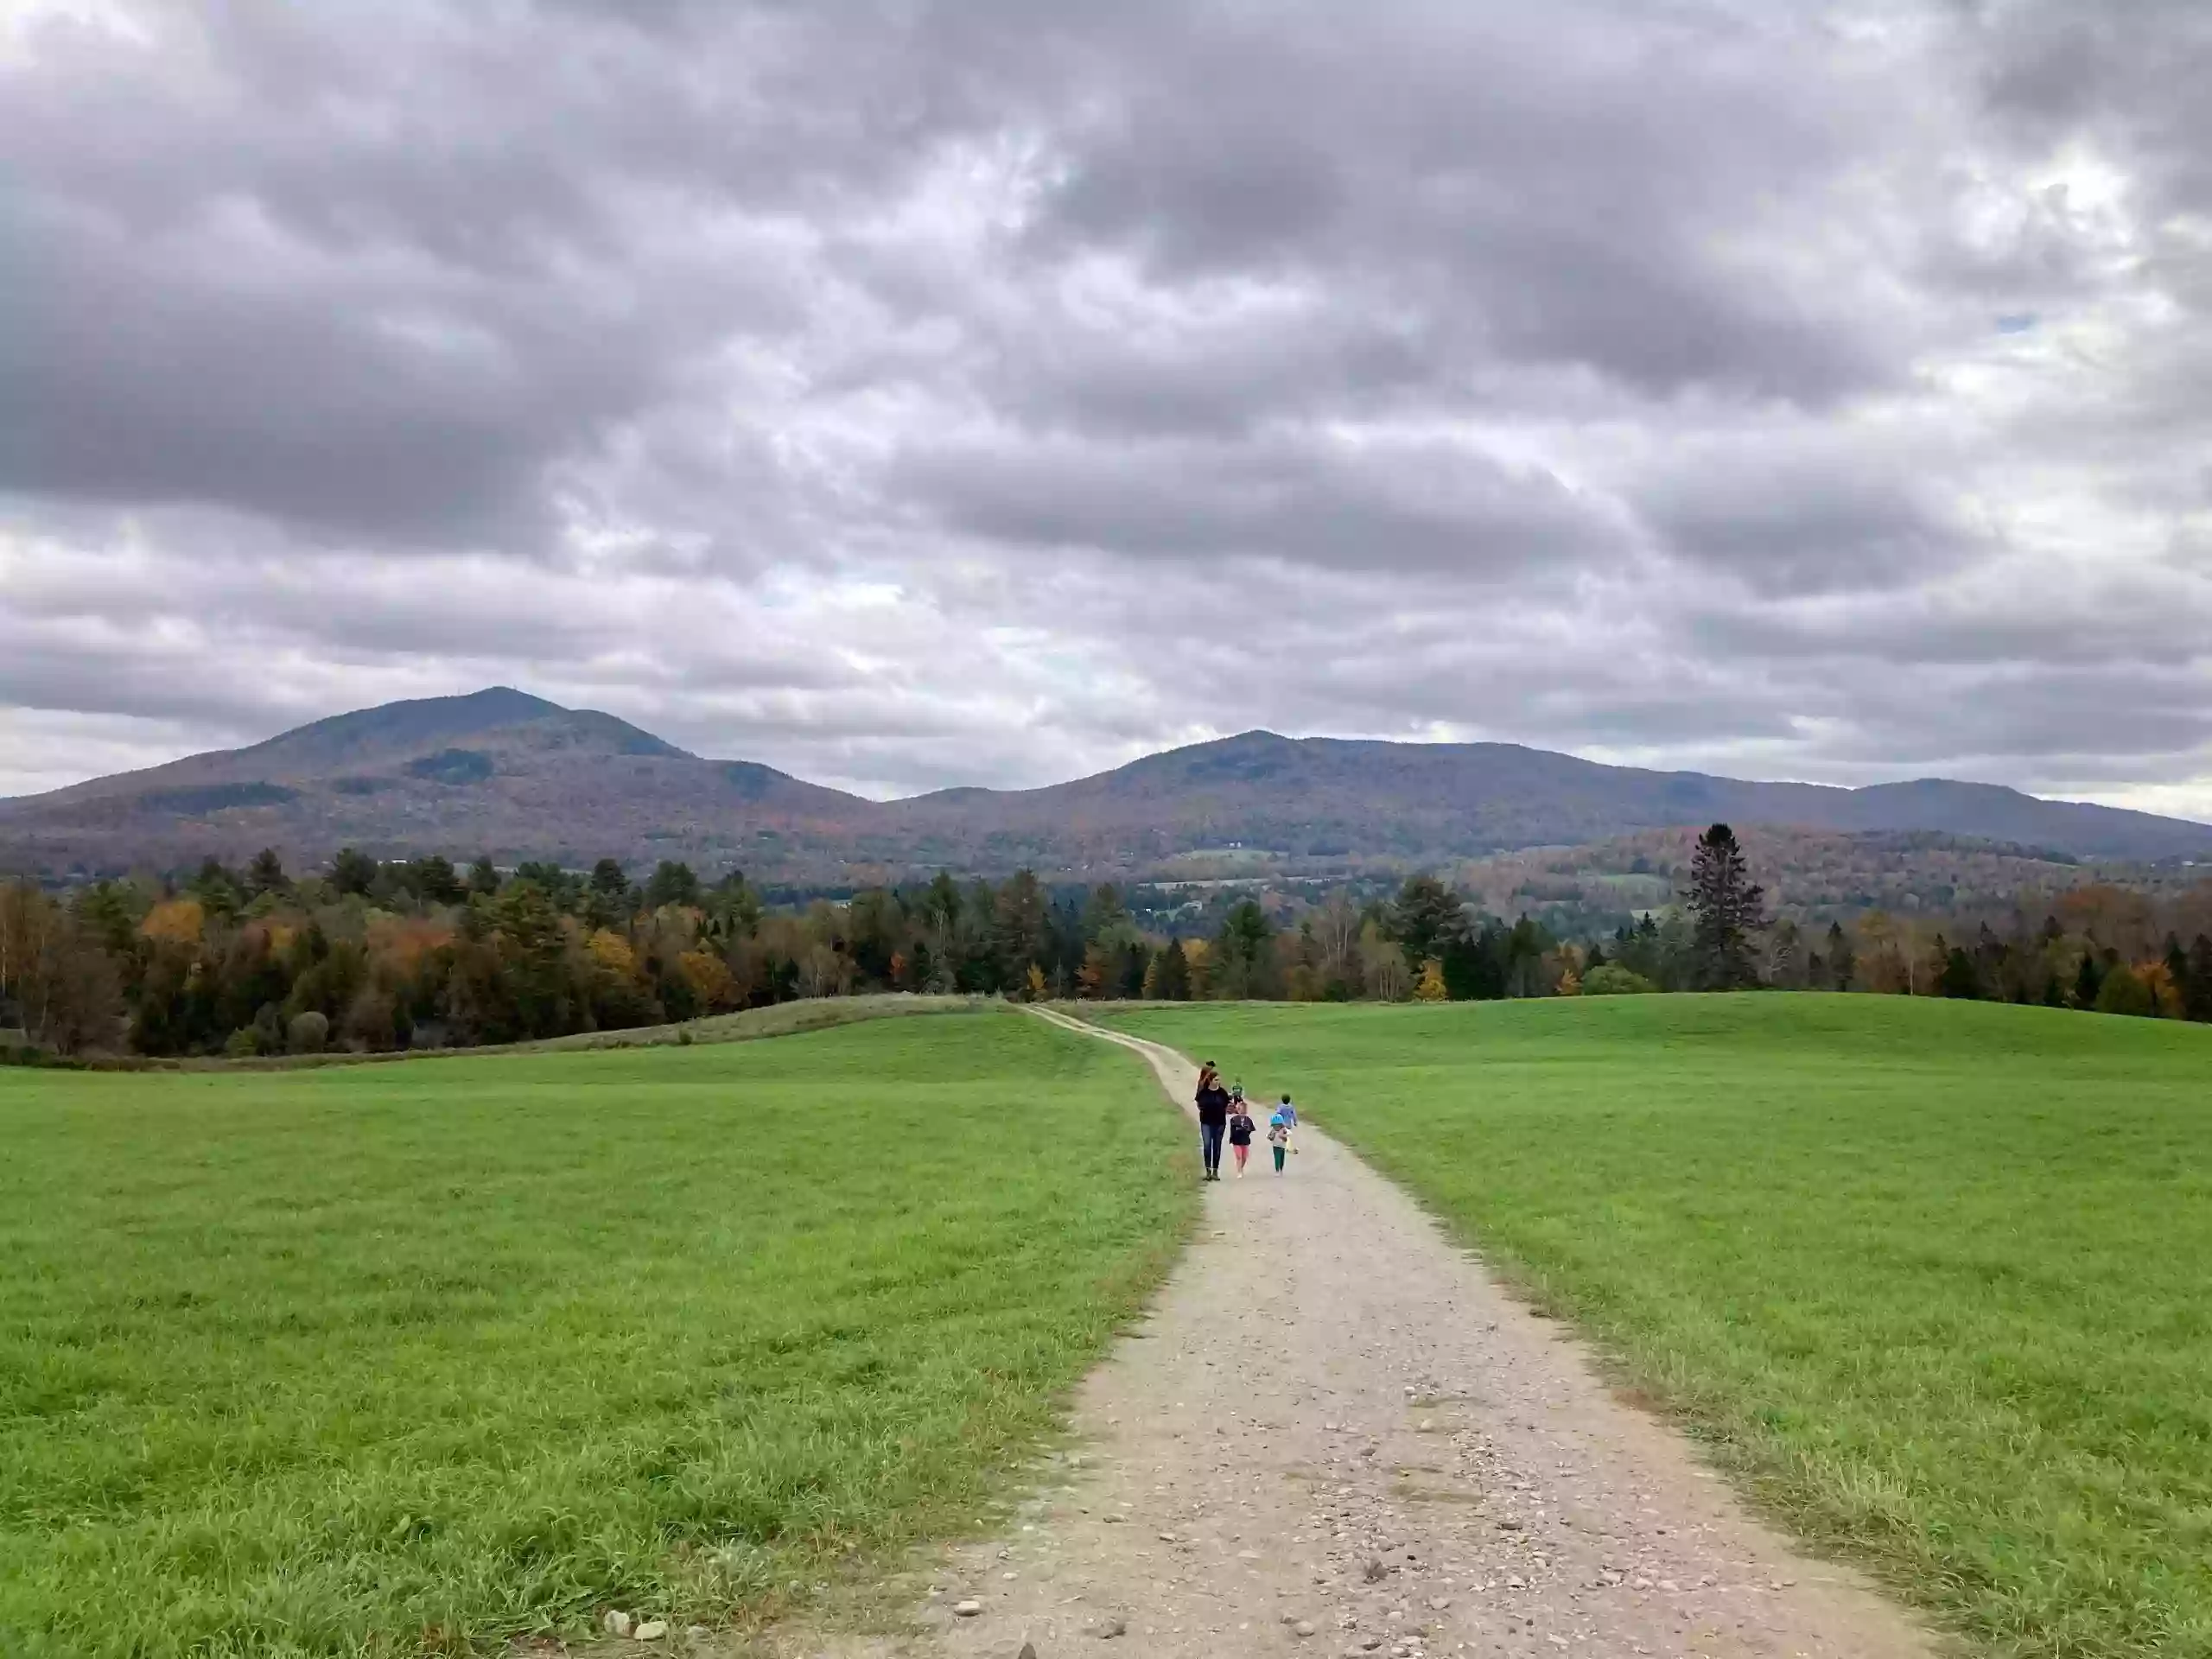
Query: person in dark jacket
(1213, 1118)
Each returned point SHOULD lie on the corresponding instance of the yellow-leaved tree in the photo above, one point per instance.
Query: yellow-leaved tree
(613, 953)
(1431, 987)
(709, 978)
(173, 921)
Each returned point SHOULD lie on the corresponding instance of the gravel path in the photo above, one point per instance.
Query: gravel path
(1334, 1435)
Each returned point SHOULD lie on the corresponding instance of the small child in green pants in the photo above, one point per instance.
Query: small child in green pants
(1279, 1138)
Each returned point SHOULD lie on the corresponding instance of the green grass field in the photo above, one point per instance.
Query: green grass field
(777, 1020)
(1934, 1278)
(397, 1358)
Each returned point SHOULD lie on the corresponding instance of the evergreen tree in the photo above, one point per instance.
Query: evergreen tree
(217, 889)
(266, 874)
(732, 915)
(2088, 981)
(1842, 964)
(533, 957)
(1991, 959)
(435, 880)
(1018, 927)
(1171, 973)
(484, 879)
(1426, 919)
(561, 888)
(2178, 971)
(2197, 997)
(1959, 978)
(1475, 968)
(940, 904)
(108, 909)
(1135, 961)
(1106, 918)
(672, 883)
(1473, 965)
(1724, 903)
(976, 965)
(1065, 942)
(1242, 957)
(1524, 953)
(352, 870)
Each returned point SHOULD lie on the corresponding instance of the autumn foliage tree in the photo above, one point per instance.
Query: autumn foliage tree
(398, 954)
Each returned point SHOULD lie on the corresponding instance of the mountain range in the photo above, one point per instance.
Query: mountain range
(503, 773)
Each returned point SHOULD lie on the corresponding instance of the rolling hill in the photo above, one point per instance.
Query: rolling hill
(503, 772)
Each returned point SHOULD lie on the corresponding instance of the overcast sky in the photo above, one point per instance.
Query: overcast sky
(908, 394)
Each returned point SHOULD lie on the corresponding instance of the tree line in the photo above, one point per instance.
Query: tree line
(375, 956)
(2096, 947)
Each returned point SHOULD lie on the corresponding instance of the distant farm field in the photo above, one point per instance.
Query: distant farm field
(1934, 1278)
(396, 1359)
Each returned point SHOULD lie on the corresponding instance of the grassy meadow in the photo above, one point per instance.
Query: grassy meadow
(1934, 1278)
(404, 1359)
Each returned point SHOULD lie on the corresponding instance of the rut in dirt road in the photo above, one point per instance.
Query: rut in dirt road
(1335, 1435)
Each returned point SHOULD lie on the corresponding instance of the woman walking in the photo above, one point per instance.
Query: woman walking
(1213, 1120)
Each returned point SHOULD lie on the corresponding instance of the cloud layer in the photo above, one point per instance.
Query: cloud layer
(913, 393)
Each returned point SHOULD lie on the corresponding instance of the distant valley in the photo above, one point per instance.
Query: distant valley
(503, 773)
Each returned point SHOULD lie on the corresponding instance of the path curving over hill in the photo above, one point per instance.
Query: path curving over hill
(1335, 1435)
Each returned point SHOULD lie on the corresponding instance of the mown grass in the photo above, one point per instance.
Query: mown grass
(748, 1024)
(410, 1358)
(1932, 1278)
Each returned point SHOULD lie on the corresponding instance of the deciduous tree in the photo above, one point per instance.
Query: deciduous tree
(2122, 991)
(70, 997)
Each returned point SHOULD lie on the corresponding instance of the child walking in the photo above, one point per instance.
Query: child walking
(1278, 1128)
(1240, 1130)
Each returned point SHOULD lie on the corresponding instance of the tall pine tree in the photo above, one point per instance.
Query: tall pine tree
(2196, 993)
(1842, 963)
(1171, 975)
(1725, 902)
(1427, 918)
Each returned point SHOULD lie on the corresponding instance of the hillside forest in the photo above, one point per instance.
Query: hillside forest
(373, 956)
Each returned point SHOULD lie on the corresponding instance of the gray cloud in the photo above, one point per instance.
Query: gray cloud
(1370, 508)
(1808, 514)
(915, 393)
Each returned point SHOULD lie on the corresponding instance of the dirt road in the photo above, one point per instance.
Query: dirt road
(1334, 1435)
